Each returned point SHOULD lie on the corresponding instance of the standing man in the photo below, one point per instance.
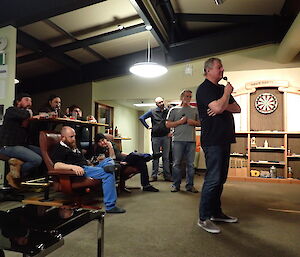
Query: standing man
(183, 118)
(215, 105)
(159, 136)
(14, 140)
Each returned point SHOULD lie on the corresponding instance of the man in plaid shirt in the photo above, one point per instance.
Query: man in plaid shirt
(13, 140)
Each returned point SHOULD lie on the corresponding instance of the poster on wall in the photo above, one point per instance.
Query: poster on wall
(240, 119)
(292, 105)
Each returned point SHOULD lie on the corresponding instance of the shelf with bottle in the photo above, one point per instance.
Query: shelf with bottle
(267, 163)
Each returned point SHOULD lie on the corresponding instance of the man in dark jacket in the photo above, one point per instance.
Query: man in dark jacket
(159, 136)
(104, 148)
(13, 140)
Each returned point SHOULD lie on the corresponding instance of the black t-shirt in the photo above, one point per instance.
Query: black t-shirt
(64, 154)
(96, 150)
(218, 129)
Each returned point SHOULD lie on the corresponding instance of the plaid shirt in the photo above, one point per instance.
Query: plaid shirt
(12, 133)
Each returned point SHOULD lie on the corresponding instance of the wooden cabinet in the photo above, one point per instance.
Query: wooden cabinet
(269, 140)
(282, 151)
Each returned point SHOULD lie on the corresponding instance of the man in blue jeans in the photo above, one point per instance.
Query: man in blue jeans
(14, 140)
(160, 136)
(67, 156)
(215, 105)
(183, 118)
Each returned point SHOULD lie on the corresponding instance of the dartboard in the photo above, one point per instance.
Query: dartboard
(266, 103)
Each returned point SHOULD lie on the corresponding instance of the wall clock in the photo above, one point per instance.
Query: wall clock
(266, 103)
(3, 43)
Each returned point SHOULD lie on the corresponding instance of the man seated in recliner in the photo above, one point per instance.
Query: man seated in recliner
(66, 155)
(104, 148)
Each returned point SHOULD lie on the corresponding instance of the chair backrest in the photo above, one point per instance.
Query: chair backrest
(48, 139)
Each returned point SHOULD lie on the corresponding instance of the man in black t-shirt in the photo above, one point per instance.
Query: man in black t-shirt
(66, 155)
(215, 106)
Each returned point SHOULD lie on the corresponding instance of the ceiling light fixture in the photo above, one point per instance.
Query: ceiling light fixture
(16, 81)
(148, 69)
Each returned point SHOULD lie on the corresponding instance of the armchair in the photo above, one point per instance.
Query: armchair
(65, 181)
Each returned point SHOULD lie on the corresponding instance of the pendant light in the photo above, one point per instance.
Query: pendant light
(148, 69)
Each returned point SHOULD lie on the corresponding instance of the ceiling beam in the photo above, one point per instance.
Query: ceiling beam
(232, 39)
(20, 13)
(40, 47)
(84, 43)
(230, 18)
(148, 20)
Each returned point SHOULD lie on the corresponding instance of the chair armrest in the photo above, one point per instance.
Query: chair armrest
(62, 172)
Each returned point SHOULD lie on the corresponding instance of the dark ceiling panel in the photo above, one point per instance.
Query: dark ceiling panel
(197, 17)
(32, 43)
(23, 12)
(232, 39)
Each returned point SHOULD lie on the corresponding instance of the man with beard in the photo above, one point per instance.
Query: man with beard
(67, 156)
(160, 136)
(14, 140)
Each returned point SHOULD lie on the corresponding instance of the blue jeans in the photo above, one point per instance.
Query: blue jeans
(157, 143)
(181, 149)
(30, 155)
(108, 181)
(217, 164)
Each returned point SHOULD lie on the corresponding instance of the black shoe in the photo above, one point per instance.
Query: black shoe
(116, 209)
(153, 156)
(150, 188)
(157, 155)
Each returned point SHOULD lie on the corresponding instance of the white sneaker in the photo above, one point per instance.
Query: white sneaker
(209, 226)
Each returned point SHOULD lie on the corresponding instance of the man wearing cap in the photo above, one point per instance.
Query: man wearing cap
(14, 140)
(160, 136)
(105, 148)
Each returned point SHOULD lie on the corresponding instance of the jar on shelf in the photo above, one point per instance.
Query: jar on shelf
(273, 172)
(290, 172)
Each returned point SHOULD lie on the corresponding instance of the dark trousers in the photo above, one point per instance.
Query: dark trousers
(217, 164)
(139, 161)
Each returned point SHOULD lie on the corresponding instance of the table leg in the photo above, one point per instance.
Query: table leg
(100, 236)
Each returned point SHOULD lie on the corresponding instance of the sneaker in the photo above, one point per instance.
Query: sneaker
(192, 190)
(174, 189)
(116, 209)
(224, 218)
(15, 167)
(150, 188)
(208, 226)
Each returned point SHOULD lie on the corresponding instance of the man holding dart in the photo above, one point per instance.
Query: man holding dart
(215, 106)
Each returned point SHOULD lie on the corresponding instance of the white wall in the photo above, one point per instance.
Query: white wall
(7, 85)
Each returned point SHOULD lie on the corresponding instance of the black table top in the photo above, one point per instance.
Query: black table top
(31, 229)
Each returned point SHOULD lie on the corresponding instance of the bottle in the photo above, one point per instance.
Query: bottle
(266, 144)
(116, 131)
(290, 172)
(273, 172)
(110, 131)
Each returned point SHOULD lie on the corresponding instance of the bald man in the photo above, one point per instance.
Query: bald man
(160, 136)
(67, 156)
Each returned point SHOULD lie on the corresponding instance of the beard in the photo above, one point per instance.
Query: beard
(72, 145)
